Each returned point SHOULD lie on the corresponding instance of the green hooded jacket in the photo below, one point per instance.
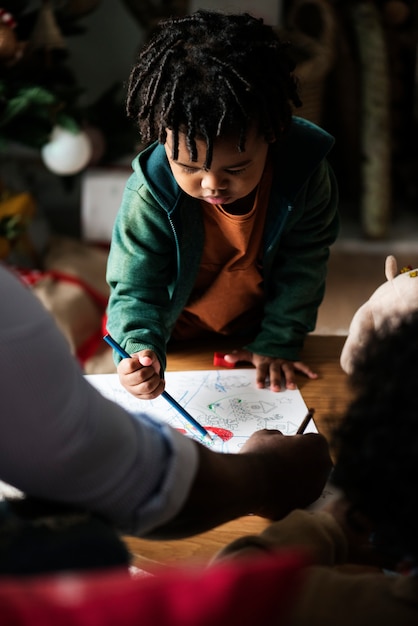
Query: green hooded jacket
(158, 239)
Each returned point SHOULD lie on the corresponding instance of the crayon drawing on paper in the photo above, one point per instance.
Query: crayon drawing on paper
(227, 403)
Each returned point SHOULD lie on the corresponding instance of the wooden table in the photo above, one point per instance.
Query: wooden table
(328, 394)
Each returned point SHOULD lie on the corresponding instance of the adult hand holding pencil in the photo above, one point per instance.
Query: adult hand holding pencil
(182, 411)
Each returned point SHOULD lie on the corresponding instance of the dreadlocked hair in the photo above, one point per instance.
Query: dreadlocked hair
(377, 442)
(208, 74)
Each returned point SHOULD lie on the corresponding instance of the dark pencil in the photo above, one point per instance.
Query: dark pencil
(305, 422)
(165, 395)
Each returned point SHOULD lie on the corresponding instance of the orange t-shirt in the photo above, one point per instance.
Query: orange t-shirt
(228, 294)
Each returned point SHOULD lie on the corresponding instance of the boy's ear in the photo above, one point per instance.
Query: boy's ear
(270, 137)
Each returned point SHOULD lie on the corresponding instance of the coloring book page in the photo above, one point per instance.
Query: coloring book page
(227, 403)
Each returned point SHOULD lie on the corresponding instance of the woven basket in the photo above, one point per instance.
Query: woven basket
(311, 27)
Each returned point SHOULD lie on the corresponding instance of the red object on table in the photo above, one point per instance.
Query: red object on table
(219, 360)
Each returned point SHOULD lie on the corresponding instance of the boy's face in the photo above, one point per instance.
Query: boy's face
(233, 175)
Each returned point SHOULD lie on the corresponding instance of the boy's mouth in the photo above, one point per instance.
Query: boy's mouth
(217, 199)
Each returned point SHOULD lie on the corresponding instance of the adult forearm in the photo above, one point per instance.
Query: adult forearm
(264, 479)
(224, 489)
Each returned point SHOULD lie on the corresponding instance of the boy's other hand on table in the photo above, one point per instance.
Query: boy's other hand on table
(270, 370)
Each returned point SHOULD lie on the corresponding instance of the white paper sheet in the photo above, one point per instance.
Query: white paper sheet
(226, 402)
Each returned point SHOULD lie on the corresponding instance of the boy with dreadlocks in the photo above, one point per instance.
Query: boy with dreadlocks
(225, 224)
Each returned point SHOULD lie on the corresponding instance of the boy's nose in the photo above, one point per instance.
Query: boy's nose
(213, 181)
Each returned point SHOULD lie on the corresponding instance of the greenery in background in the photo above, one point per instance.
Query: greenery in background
(38, 90)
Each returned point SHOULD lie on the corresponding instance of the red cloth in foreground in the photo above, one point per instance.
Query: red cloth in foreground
(255, 592)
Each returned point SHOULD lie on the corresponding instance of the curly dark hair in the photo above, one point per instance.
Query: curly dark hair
(377, 442)
(212, 73)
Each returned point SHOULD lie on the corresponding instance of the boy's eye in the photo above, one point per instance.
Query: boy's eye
(194, 170)
(236, 172)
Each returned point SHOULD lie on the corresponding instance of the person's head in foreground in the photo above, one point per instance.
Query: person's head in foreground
(377, 465)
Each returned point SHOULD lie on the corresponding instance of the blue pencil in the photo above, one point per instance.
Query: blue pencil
(170, 399)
